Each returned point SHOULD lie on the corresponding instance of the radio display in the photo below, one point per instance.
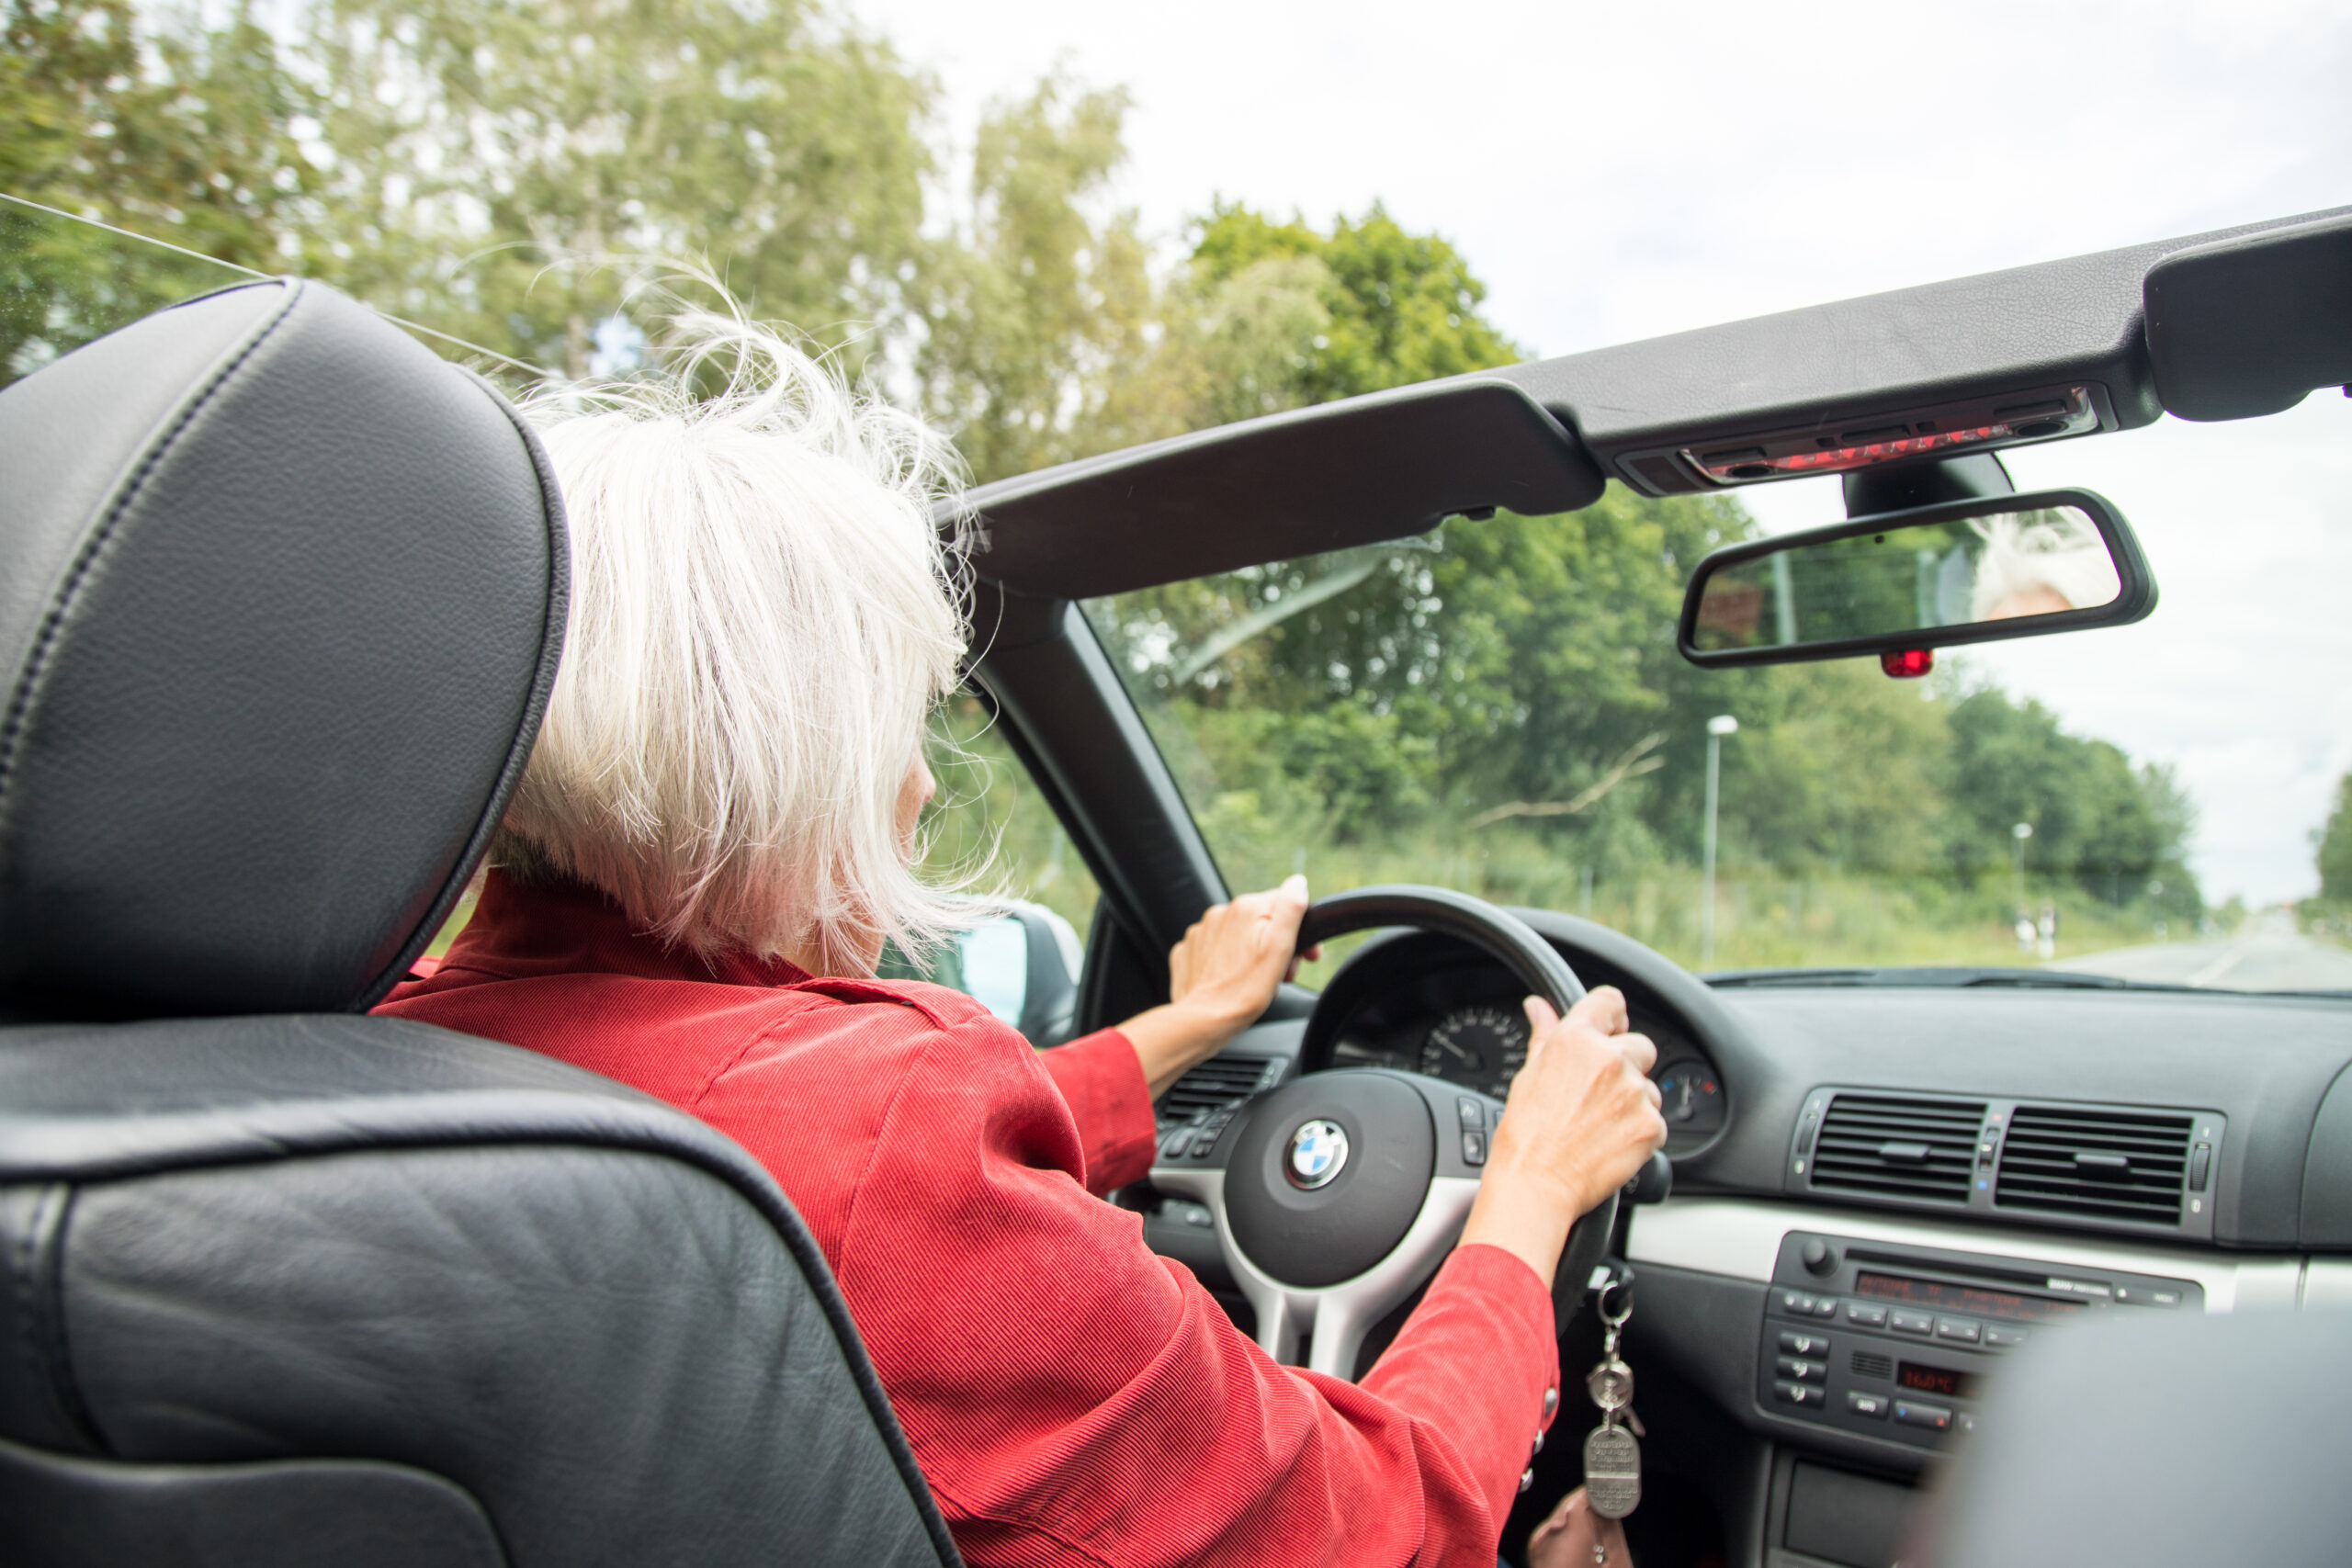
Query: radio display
(1973, 1299)
(1935, 1380)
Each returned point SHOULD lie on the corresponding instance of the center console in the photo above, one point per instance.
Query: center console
(1895, 1341)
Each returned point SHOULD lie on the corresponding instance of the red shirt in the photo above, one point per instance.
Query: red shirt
(1071, 1396)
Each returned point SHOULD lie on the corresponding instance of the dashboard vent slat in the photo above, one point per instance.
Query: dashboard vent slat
(1891, 1146)
(2105, 1165)
(1217, 1083)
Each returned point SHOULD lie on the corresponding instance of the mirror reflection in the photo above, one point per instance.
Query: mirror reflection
(2006, 566)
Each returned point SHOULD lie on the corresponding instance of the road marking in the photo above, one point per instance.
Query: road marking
(2219, 967)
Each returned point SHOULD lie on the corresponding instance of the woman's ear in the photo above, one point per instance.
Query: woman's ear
(915, 794)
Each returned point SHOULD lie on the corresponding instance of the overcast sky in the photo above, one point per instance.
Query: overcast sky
(1618, 172)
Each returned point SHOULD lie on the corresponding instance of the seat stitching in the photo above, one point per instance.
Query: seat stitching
(45, 1351)
(85, 560)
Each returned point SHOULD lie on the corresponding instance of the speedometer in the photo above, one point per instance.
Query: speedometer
(1480, 1048)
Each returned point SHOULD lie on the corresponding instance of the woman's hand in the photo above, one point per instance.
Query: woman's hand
(1581, 1118)
(1220, 978)
(1576, 1537)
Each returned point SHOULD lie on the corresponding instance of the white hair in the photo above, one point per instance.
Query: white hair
(764, 617)
(2053, 549)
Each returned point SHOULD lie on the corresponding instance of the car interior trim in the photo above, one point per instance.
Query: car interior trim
(2251, 326)
(1854, 364)
(1741, 1239)
(2327, 1284)
(1061, 702)
(1384, 466)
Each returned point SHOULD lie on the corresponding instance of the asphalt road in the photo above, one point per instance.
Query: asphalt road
(2267, 954)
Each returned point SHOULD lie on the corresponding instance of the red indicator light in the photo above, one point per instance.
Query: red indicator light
(1907, 663)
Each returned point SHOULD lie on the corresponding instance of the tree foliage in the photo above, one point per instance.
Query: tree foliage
(1040, 338)
(1397, 308)
(185, 131)
(2336, 847)
(491, 154)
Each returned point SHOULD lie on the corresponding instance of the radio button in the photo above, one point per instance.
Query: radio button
(1959, 1329)
(1913, 1322)
(1870, 1404)
(1801, 1370)
(1934, 1417)
(1798, 1302)
(1799, 1393)
(2005, 1338)
(2145, 1295)
(1826, 1307)
(1804, 1344)
(1870, 1317)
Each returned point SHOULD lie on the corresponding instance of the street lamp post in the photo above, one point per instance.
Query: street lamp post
(1717, 727)
(2021, 832)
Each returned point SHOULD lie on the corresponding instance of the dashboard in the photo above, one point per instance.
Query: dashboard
(1884, 1191)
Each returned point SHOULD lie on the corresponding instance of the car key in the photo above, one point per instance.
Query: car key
(1612, 1459)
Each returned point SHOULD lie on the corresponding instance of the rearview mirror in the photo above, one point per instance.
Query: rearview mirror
(1973, 571)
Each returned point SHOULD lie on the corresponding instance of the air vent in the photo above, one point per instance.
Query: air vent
(1867, 1365)
(2105, 1165)
(1893, 1148)
(1217, 1083)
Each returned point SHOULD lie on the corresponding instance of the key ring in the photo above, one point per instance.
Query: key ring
(1622, 1287)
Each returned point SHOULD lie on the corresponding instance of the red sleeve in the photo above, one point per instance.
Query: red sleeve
(1101, 1081)
(1075, 1399)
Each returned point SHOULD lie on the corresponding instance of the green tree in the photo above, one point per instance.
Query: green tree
(2113, 831)
(1042, 330)
(190, 129)
(185, 131)
(2336, 847)
(486, 148)
(1397, 307)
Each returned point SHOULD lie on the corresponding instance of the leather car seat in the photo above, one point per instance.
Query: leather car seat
(281, 597)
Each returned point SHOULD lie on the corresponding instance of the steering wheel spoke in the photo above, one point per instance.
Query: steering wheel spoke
(1334, 1199)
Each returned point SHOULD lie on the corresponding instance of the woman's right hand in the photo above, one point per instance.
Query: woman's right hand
(1581, 1118)
(1576, 1537)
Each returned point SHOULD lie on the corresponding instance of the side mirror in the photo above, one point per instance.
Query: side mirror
(1023, 966)
(1981, 570)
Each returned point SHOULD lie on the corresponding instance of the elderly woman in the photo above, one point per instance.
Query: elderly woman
(714, 839)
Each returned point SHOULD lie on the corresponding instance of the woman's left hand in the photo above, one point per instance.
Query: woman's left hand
(1220, 978)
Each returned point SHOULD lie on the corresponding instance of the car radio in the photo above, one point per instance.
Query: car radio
(1892, 1341)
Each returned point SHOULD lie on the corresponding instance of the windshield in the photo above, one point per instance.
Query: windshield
(1500, 707)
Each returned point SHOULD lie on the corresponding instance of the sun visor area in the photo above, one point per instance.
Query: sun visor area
(1385, 466)
(2252, 325)
(2032, 353)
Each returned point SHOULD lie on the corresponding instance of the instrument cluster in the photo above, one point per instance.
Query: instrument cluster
(1463, 1023)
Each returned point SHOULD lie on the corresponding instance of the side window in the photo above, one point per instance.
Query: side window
(1023, 966)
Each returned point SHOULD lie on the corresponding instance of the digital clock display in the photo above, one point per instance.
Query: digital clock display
(1973, 1299)
(1935, 1380)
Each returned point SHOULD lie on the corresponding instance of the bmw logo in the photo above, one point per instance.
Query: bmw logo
(1317, 1153)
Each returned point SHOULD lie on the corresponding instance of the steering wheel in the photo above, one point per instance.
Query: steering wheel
(1336, 1195)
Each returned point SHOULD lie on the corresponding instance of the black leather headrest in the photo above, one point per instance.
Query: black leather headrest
(281, 596)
